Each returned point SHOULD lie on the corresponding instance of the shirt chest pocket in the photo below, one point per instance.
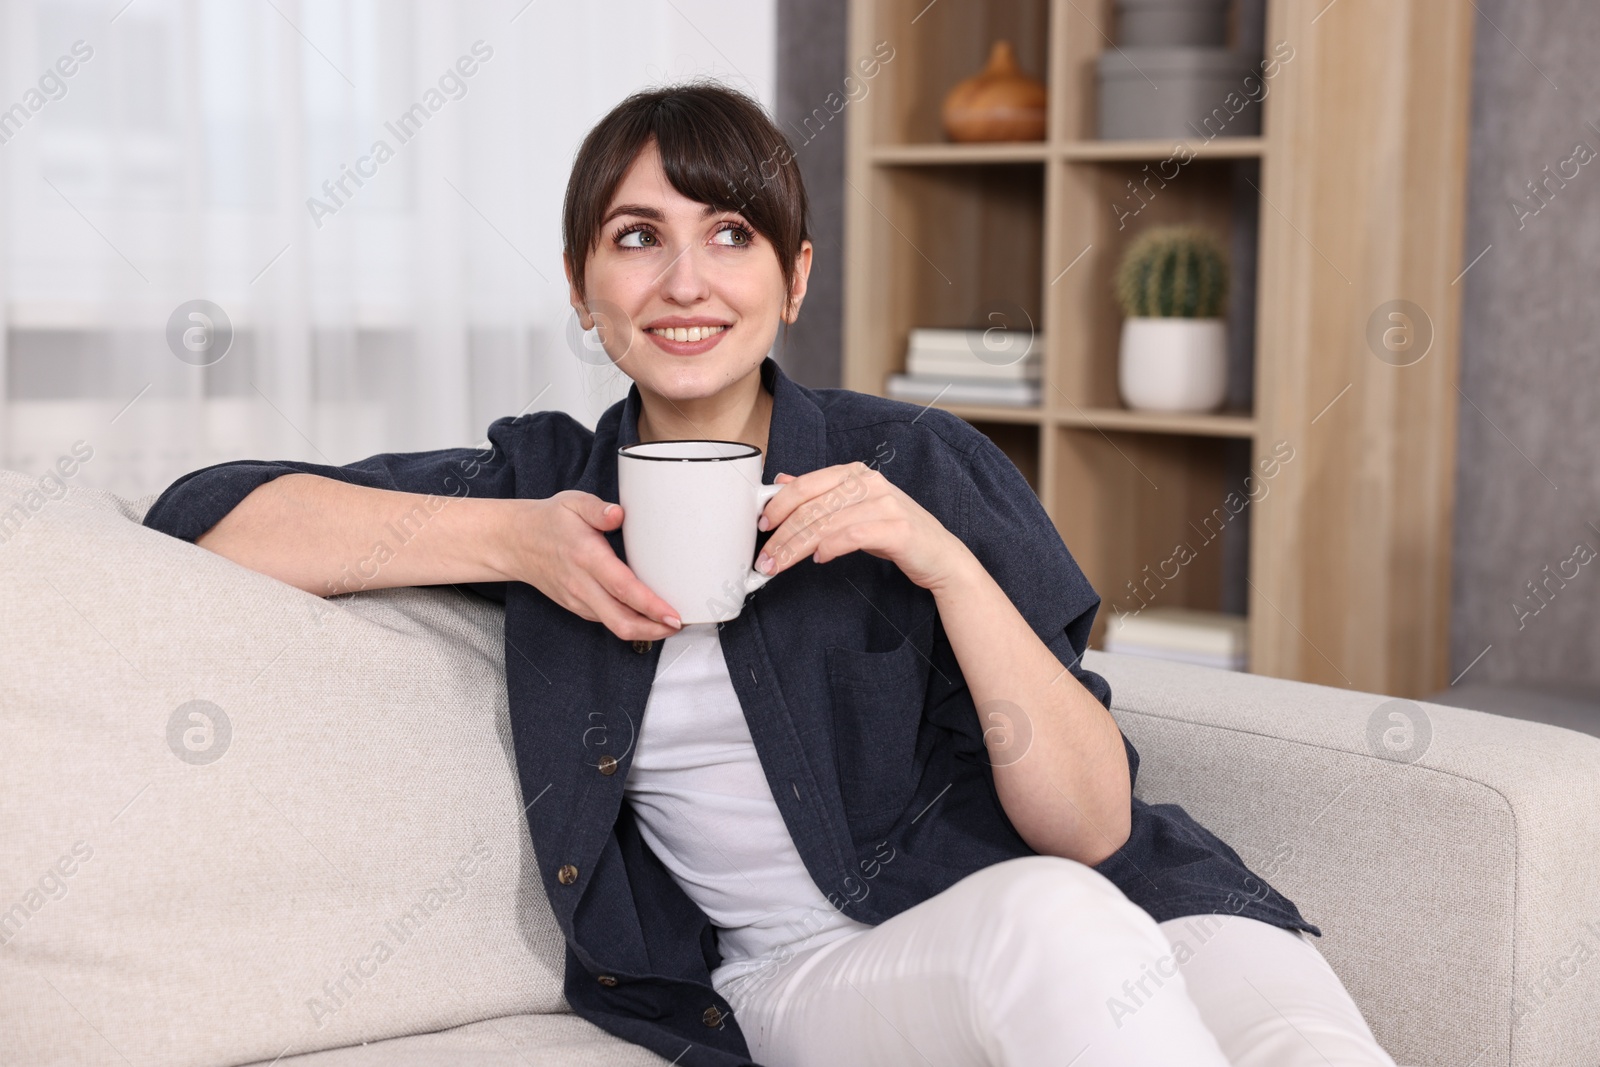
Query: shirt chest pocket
(877, 702)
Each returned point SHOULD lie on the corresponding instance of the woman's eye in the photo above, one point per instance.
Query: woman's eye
(736, 236)
(637, 239)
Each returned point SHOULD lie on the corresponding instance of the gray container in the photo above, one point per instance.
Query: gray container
(1193, 94)
(1163, 23)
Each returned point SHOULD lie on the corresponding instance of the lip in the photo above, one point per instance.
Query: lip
(686, 348)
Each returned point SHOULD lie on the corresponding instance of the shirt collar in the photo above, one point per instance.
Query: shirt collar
(796, 439)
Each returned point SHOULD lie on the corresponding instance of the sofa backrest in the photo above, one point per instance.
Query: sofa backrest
(239, 820)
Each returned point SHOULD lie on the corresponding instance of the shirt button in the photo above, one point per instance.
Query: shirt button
(608, 765)
(606, 980)
(712, 1017)
(642, 646)
(567, 874)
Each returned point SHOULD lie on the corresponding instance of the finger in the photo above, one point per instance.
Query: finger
(762, 522)
(620, 618)
(798, 534)
(624, 587)
(631, 626)
(836, 486)
(598, 513)
(806, 530)
(873, 536)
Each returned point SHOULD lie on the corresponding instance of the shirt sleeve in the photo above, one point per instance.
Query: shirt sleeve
(1006, 527)
(199, 500)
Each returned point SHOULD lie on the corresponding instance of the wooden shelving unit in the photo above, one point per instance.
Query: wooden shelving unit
(1351, 197)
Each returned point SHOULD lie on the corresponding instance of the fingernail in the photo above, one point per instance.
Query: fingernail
(672, 621)
(608, 509)
(764, 563)
(762, 524)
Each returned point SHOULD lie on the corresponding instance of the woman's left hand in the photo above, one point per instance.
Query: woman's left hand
(833, 511)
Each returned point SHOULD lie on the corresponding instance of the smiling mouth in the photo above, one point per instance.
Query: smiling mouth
(685, 334)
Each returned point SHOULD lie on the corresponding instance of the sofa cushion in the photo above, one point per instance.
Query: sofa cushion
(517, 1041)
(243, 822)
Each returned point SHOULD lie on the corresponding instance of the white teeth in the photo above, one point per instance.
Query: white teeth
(687, 333)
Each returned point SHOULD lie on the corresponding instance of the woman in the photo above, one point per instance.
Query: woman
(883, 816)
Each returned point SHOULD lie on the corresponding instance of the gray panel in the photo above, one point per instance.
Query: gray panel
(1528, 487)
(811, 65)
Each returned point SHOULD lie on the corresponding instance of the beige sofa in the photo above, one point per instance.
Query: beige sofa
(241, 824)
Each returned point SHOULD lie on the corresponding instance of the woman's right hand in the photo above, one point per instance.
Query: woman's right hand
(557, 545)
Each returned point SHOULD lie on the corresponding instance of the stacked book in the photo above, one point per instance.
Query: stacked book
(1204, 638)
(971, 367)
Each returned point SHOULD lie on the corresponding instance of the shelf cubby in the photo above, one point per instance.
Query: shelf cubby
(1101, 208)
(959, 244)
(1153, 519)
(934, 49)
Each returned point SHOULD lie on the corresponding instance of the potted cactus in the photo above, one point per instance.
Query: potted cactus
(1173, 284)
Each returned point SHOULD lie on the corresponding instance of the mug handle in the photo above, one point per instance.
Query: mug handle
(755, 579)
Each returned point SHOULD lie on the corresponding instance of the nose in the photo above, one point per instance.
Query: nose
(684, 280)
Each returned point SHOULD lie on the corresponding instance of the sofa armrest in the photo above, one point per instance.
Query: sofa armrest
(1454, 869)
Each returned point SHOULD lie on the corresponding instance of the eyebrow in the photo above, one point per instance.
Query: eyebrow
(653, 214)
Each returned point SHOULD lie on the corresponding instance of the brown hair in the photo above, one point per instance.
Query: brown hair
(717, 147)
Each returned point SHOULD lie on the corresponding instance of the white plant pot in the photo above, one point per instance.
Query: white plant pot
(1173, 364)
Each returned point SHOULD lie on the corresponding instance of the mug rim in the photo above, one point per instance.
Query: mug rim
(622, 450)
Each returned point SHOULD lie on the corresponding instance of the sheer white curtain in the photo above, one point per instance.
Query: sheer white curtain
(369, 190)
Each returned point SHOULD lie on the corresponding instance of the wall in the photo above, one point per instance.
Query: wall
(1528, 485)
(811, 64)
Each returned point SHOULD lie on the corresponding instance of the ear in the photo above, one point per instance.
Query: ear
(574, 297)
(797, 291)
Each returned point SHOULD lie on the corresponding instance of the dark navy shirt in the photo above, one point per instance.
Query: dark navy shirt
(863, 724)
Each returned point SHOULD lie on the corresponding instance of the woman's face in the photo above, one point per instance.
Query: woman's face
(687, 298)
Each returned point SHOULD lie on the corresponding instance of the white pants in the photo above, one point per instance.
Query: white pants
(1041, 960)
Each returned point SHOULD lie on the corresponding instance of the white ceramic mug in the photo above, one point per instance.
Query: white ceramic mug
(689, 511)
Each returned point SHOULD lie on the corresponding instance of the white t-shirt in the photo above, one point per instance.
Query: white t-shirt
(704, 807)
